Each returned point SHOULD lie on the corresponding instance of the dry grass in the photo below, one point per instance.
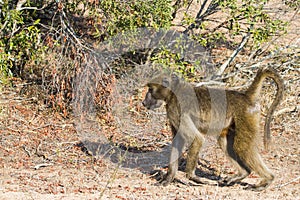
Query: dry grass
(33, 138)
(40, 157)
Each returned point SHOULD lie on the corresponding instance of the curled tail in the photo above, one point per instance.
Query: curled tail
(253, 93)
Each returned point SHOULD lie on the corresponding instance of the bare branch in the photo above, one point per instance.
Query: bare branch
(211, 9)
(285, 184)
(20, 4)
(234, 54)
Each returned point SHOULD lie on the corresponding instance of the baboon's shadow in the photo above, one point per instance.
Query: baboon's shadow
(146, 161)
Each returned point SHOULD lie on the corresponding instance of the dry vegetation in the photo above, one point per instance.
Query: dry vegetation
(42, 157)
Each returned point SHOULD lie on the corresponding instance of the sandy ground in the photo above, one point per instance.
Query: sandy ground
(40, 158)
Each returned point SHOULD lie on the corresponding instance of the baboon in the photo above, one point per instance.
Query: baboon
(233, 116)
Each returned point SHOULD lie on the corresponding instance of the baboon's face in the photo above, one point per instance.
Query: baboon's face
(153, 98)
(159, 89)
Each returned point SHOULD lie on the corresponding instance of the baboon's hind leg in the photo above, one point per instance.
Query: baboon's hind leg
(244, 147)
(226, 143)
(257, 165)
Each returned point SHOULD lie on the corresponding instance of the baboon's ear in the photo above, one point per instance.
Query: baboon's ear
(165, 82)
(175, 79)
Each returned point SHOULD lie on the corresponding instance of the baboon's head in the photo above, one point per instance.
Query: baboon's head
(159, 89)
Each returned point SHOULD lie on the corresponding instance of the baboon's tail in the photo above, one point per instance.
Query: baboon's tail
(253, 93)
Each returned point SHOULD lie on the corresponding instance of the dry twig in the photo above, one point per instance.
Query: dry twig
(287, 183)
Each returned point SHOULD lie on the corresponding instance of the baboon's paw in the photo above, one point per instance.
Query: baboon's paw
(203, 181)
(256, 188)
(225, 183)
(166, 180)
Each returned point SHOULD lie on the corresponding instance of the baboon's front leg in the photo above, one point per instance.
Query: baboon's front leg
(192, 159)
(176, 152)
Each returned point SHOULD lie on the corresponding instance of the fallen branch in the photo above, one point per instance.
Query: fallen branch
(285, 184)
(287, 110)
(42, 165)
(27, 152)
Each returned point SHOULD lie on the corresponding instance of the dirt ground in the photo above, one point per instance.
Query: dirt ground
(41, 157)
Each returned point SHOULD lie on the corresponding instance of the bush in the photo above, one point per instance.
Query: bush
(110, 17)
(20, 42)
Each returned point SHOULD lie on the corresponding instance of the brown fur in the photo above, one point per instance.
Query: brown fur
(235, 119)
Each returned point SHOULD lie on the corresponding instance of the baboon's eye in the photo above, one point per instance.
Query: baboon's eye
(175, 79)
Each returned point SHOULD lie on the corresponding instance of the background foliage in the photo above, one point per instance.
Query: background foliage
(46, 42)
